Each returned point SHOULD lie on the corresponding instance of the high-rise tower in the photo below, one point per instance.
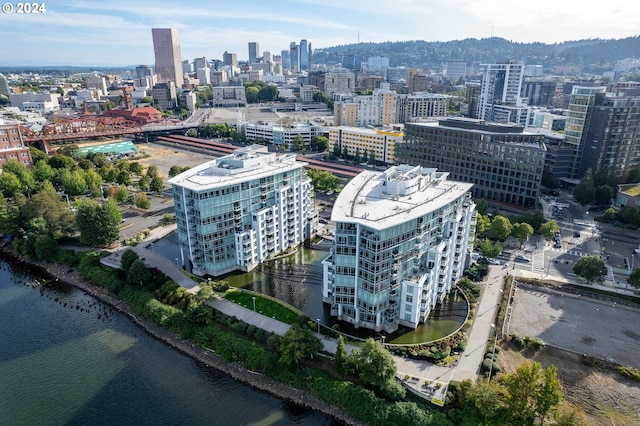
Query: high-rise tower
(254, 52)
(166, 47)
(501, 85)
(304, 55)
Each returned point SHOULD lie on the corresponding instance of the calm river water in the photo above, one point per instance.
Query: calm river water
(66, 358)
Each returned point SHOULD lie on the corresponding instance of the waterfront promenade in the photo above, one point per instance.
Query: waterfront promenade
(413, 373)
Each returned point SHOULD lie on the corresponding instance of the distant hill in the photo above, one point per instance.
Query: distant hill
(435, 54)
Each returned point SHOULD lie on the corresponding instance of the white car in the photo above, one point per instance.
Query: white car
(493, 261)
(521, 258)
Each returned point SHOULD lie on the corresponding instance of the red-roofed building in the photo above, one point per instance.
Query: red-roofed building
(141, 115)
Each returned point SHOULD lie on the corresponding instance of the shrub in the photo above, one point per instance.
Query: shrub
(629, 372)
(536, 343)
(251, 330)
(519, 341)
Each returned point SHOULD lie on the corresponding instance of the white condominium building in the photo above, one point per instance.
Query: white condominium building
(366, 144)
(240, 209)
(401, 242)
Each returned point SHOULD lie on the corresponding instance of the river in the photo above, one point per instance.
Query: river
(66, 358)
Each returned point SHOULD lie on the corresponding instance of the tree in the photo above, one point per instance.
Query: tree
(128, 257)
(60, 161)
(157, 184)
(197, 310)
(298, 143)
(10, 184)
(483, 224)
(584, 190)
(122, 193)
(135, 167)
(532, 393)
(549, 229)
(176, 170)
(27, 182)
(500, 228)
(43, 171)
(591, 268)
(59, 220)
(488, 249)
(144, 182)
(374, 364)
(152, 171)
(521, 231)
(124, 178)
(634, 278)
(138, 273)
(73, 182)
(603, 194)
(482, 207)
(98, 224)
(319, 143)
(142, 201)
(298, 343)
(341, 358)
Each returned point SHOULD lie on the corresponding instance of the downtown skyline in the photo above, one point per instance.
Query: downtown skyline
(118, 33)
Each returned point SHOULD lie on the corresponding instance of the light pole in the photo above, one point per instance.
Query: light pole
(254, 303)
(318, 325)
(177, 265)
(383, 339)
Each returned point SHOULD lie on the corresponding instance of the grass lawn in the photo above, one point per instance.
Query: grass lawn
(264, 306)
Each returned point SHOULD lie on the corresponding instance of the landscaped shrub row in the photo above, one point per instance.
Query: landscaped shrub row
(527, 341)
(439, 352)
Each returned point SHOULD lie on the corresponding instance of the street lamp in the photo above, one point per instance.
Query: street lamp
(318, 325)
(254, 303)
(177, 265)
(383, 339)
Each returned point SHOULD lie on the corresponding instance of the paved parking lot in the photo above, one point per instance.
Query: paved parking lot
(602, 329)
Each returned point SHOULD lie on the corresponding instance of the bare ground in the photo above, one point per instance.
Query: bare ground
(603, 395)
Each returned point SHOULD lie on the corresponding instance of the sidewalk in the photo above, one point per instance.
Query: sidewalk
(418, 372)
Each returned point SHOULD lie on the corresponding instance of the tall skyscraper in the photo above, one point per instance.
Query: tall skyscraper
(294, 56)
(254, 52)
(143, 71)
(304, 55)
(286, 61)
(166, 47)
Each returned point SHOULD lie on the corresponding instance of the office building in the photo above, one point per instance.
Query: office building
(401, 241)
(35, 101)
(286, 61)
(228, 96)
(338, 80)
(457, 70)
(419, 106)
(366, 143)
(166, 47)
(501, 86)
(200, 63)
(378, 64)
(96, 81)
(539, 92)
(294, 56)
(304, 55)
(417, 81)
(254, 52)
(376, 109)
(503, 162)
(241, 209)
(164, 96)
(4, 85)
(230, 59)
(144, 71)
(12, 147)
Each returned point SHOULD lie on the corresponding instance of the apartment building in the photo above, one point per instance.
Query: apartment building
(241, 209)
(281, 134)
(378, 144)
(12, 146)
(401, 241)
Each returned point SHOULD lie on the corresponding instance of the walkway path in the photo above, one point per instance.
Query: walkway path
(419, 372)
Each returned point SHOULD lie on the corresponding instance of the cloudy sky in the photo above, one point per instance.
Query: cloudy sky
(118, 32)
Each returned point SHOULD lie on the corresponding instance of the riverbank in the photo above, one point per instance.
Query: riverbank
(207, 357)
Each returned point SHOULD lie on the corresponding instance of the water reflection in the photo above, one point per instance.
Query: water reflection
(297, 280)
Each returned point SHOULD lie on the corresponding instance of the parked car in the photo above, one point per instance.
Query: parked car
(522, 258)
(558, 244)
(576, 234)
(329, 192)
(493, 261)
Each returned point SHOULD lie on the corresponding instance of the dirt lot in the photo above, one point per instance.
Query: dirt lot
(605, 397)
(164, 157)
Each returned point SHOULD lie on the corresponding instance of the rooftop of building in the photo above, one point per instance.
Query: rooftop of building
(631, 189)
(381, 200)
(395, 130)
(476, 125)
(243, 165)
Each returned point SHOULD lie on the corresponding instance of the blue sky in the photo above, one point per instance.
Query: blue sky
(118, 32)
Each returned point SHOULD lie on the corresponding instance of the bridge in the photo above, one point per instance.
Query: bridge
(96, 126)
